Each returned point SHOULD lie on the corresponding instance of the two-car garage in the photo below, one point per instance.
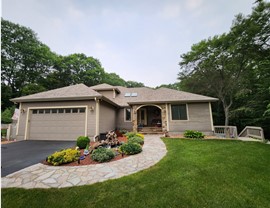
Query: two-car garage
(56, 123)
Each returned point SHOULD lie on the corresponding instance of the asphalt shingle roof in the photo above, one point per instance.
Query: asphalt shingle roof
(142, 95)
(74, 92)
(161, 95)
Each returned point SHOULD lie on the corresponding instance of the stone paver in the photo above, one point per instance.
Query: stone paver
(43, 176)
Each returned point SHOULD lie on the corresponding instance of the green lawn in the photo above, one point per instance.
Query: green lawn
(195, 173)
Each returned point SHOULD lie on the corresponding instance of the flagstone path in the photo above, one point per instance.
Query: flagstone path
(43, 176)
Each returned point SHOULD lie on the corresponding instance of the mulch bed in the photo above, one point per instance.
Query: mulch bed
(88, 160)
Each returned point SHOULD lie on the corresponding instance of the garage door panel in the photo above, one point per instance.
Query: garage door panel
(60, 126)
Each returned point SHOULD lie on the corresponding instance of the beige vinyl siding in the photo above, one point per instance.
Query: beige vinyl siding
(108, 94)
(198, 115)
(107, 118)
(121, 124)
(24, 107)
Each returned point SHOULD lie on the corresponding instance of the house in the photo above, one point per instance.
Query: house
(68, 112)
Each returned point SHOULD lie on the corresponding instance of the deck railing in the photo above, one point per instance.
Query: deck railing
(226, 132)
(252, 131)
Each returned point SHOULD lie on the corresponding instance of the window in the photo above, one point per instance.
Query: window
(41, 111)
(127, 94)
(81, 110)
(179, 112)
(60, 110)
(74, 110)
(54, 110)
(127, 114)
(134, 94)
(35, 111)
(47, 111)
(68, 110)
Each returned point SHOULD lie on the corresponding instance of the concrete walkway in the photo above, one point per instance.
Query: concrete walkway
(43, 176)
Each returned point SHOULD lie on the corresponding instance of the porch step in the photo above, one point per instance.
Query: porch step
(151, 130)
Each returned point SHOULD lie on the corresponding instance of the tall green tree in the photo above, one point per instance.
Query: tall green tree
(75, 69)
(24, 59)
(130, 84)
(235, 68)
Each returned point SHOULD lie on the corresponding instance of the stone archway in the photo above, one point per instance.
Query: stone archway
(149, 115)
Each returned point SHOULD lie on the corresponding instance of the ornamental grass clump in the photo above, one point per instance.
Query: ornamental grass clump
(82, 142)
(102, 155)
(63, 156)
(130, 148)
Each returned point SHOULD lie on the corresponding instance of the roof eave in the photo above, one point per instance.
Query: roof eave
(174, 101)
(20, 100)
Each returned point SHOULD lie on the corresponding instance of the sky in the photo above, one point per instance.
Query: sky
(140, 40)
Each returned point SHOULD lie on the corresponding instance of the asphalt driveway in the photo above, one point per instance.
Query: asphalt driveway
(18, 155)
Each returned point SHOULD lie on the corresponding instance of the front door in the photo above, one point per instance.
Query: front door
(143, 116)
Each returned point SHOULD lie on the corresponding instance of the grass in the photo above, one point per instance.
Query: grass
(195, 173)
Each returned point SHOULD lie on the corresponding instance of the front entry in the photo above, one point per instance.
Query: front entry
(142, 117)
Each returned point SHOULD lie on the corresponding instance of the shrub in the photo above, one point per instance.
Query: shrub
(140, 135)
(130, 148)
(82, 142)
(130, 134)
(194, 134)
(63, 156)
(133, 134)
(136, 139)
(123, 131)
(102, 155)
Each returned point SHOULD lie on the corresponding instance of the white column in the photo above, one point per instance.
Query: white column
(18, 121)
(86, 120)
(26, 125)
(211, 117)
(167, 117)
(97, 116)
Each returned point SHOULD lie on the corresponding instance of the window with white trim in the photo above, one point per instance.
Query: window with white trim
(127, 114)
(179, 112)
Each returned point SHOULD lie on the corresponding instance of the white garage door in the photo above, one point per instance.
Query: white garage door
(57, 124)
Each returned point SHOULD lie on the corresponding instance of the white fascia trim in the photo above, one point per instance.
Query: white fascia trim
(18, 122)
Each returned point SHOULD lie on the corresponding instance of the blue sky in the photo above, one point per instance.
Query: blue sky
(139, 40)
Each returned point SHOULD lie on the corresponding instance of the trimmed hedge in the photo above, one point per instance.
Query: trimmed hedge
(102, 155)
(130, 148)
(82, 142)
(63, 156)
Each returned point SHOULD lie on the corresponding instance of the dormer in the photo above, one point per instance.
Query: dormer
(106, 90)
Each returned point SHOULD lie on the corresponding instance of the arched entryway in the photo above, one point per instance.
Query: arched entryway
(149, 118)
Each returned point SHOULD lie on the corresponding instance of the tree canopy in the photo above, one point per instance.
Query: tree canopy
(234, 67)
(29, 66)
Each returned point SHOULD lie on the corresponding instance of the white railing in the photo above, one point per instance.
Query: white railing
(252, 131)
(226, 132)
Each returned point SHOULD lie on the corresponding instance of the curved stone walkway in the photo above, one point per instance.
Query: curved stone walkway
(43, 176)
